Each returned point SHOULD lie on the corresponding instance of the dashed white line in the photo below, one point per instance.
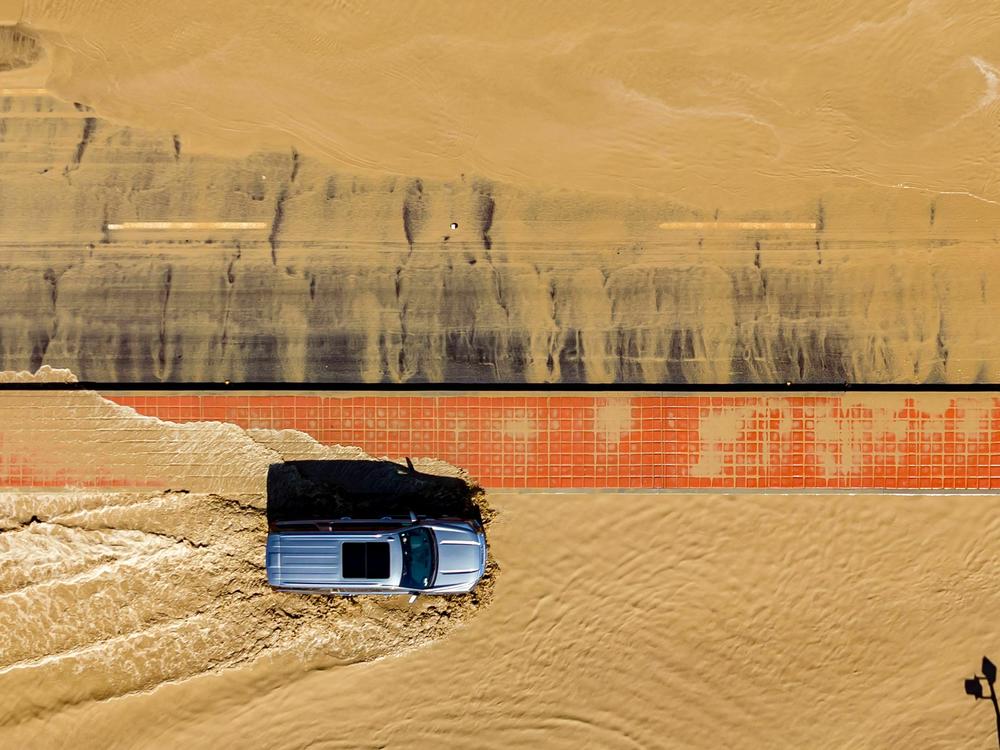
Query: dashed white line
(156, 225)
(23, 92)
(738, 225)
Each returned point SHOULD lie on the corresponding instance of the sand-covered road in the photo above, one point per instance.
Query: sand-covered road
(619, 621)
(561, 200)
(491, 193)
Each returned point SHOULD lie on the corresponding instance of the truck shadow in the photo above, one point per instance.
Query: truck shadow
(304, 490)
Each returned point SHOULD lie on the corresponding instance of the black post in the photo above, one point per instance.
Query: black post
(974, 687)
(996, 709)
(990, 675)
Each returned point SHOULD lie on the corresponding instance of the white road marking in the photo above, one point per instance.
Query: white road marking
(738, 225)
(24, 92)
(188, 225)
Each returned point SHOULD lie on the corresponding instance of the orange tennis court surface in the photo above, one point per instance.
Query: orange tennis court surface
(874, 441)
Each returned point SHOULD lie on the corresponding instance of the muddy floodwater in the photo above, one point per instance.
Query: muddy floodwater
(141, 617)
(110, 594)
(545, 193)
(479, 192)
(618, 621)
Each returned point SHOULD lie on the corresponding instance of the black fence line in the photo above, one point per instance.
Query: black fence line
(418, 387)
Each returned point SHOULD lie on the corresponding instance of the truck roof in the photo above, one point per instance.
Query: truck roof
(313, 559)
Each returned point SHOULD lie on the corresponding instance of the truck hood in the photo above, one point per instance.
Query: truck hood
(461, 557)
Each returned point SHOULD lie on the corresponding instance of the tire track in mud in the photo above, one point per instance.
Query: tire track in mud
(105, 594)
(104, 599)
(39, 553)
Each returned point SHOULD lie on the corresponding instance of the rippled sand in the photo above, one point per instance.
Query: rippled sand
(618, 621)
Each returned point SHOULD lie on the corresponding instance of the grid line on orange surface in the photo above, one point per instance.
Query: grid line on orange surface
(880, 441)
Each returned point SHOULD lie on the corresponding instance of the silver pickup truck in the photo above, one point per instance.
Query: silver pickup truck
(388, 555)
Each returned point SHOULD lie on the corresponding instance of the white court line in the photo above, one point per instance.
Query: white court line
(738, 225)
(188, 225)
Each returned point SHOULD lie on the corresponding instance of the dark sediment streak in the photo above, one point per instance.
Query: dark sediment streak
(396, 279)
(339, 318)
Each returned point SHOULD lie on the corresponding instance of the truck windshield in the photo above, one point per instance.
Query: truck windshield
(418, 558)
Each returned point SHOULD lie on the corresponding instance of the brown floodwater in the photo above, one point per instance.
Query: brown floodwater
(740, 108)
(108, 595)
(142, 617)
(487, 192)
(541, 193)
(618, 621)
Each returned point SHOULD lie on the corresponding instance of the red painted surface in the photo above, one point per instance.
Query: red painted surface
(666, 442)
